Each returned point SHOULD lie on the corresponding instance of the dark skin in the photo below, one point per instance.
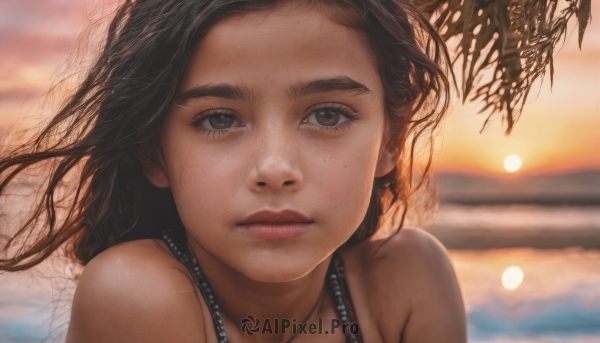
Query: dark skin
(275, 69)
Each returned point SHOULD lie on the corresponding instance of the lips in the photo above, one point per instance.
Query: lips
(285, 216)
(272, 225)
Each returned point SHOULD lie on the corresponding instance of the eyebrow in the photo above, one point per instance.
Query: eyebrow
(222, 90)
(227, 91)
(338, 83)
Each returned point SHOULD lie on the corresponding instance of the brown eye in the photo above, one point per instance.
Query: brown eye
(327, 117)
(220, 122)
(330, 117)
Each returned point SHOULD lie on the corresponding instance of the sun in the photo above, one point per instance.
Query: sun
(512, 163)
(512, 278)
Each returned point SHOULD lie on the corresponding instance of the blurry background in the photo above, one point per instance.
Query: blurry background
(523, 232)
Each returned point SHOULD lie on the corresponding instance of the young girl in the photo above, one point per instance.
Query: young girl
(238, 158)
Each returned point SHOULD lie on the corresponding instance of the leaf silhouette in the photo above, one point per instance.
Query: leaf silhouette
(517, 38)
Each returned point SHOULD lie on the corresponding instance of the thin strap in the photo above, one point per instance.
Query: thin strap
(341, 297)
(202, 284)
(305, 319)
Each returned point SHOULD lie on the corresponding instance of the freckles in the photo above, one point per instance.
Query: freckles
(344, 182)
(209, 178)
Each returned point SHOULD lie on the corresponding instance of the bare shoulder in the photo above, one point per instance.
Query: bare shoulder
(413, 251)
(410, 277)
(135, 292)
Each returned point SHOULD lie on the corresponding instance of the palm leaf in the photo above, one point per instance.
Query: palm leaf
(522, 34)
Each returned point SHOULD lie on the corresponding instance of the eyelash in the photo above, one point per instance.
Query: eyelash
(341, 109)
(197, 122)
(345, 111)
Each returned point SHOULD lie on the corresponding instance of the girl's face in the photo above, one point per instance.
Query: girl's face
(280, 111)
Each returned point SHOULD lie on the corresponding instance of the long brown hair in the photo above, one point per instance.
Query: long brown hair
(110, 123)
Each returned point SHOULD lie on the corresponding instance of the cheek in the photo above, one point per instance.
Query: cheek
(342, 177)
(203, 181)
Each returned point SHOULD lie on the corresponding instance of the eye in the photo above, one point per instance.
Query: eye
(329, 116)
(218, 121)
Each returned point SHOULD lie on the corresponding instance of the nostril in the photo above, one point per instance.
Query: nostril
(260, 183)
(288, 183)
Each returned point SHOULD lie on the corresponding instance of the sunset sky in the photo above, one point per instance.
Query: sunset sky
(559, 130)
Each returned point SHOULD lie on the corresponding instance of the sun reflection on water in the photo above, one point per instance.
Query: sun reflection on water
(551, 306)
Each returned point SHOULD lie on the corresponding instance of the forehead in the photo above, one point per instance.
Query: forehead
(280, 46)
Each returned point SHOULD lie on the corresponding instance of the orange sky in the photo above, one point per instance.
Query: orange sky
(559, 130)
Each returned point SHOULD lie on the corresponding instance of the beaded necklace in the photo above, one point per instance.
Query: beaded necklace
(335, 276)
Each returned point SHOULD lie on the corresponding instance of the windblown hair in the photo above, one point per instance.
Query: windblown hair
(111, 122)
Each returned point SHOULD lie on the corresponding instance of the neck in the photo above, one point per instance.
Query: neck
(239, 296)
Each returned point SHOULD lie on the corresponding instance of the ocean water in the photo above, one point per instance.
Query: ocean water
(517, 225)
(558, 300)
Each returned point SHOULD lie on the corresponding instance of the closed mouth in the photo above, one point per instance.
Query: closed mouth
(271, 225)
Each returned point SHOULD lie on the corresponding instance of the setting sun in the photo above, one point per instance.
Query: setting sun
(512, 163)
(512, 278)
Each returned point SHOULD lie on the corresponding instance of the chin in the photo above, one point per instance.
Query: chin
(273, 268)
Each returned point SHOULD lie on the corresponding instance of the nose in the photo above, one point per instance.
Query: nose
(275, 166)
